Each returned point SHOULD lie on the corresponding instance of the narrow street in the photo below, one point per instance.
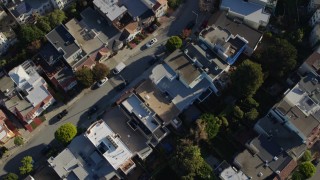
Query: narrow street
(138, 68)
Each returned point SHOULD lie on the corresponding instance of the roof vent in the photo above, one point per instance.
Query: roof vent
(260, 174)
(186, 51)
(314, 81)
(216, 68)
(277, 171)
(275, 158)
(194, 59)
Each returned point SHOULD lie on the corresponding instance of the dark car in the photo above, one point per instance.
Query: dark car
(46, 149)
(93, 110)
(190, 25)
(315, 161)
(121, 86)
(62, 114)
(153, 60)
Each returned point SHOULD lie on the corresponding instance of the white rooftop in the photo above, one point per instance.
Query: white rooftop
(37, 95)
(251, 11)
(298, 97)
(108, 144)
(110, 8)
(134, 105)
(232, 174)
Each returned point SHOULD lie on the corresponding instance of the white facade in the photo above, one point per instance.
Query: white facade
(4, 43)
(60, 4)
(313, 5)
(315, 18)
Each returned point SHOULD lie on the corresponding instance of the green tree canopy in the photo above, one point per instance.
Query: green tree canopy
(247, 79)
(100, 71)
(307, 156)
(27, 165)
(297, 176)
(18, 141)
(252, 114)
(44, 24)
(212, 125)
(56, 17)
(307, 169)
(29, 33)
(237, 113)
(189, 164)
(174, 4)
(279, 58)
(249, 103)
(173, 43)
(11, 176)
(85, 76)
(65, 133)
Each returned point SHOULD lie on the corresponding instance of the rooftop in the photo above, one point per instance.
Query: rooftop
(109, 145)
(80, 160)
(63, 41)
(157, 101)
(314, 60)
(234, 27)
(209, 61)
(110, 8)
(252, 11)
(26, 6)
(232, 174)
(181, 64)
(175, 90)
(216, 35)
(147, 116)
(119, 122)
(135, 7)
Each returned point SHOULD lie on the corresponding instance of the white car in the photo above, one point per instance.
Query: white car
(102, 82)
(151, 42)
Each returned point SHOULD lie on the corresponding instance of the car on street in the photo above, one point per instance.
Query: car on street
(46, 149)
(119, 68)
(102, 82)
(62, 114)
(121, 86)
(151, 42)
(315, 161)
(93, 110)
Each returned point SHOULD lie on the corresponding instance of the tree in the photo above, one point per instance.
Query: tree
(174, 4)
(279, 58)
(249, 103)
(237, 113)
(18, 141)
(85, 76)
(247, 79)
(27, 165)
(29, 33)
(306, 156)
(307, 169)
(173, 43)
(100, 71)
(34, 46)
(188, 162)
(252, 114)
(297, 176)
(296, 36)
(44, 24)
(56, 17)
(66, 133)
(212, 125)
(11, 176)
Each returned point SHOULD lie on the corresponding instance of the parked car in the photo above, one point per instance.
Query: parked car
(190, 25)
(46, 149)
(151, 42)
(119, 68)
(93, 110)
(121, 86)
(153, 60)
(102, 82)
(315, 161)
(62, 114)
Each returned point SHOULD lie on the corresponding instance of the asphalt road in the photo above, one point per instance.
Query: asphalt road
(102, 97)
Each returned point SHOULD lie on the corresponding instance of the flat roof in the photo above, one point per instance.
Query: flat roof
(209, 61)
(118, 121)
(60, 38)
(252, 11)
(157, 101)
(180, 63)
(216, 35)
(135, 7)
(110, 8)
(251, 35)
(108, 144)
(252, 165)
(314, 59)
(179, 94)
(134, 105)
(231, 174)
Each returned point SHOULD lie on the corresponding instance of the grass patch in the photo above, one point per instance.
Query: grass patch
(42, 118)
(33, 125)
